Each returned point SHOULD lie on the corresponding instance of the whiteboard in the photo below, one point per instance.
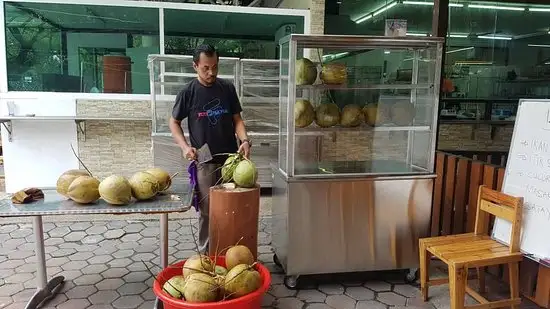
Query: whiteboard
(528, 176)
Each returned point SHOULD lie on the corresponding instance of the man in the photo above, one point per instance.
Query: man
(213, 113)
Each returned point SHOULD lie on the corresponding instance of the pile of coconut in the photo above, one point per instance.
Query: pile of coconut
(202, 281)
(83, 188)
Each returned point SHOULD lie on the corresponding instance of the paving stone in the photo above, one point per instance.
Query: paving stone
(132, 288)
(318, 306)
(114, 234)
(96, 229)
(370, 304)
(103, 297)
(131, 237)
(59, 231)
(311, 296)
(392, 299)
(149, 241)
(70, 274)
(62, 252)
(115, 272)
(105, 249)
(268, 300)
(289, 303)
(406, 290)
(10, 289)
(88, 248)
(378, 286)
(80, 226)
(123, 253)
(100, 259)
(280, 291)
(134, 228)
(102, 306)
(89, 279)
(117, 224)
(360, 293)
(75, 236)
(81, 256)
(120, 262)
(19, 278)
(332, 289)
(13, 243)
(150, 232)
(92, 239)
(137, 276)
(81, 291)
(57, 300)
(23, 295)
(147, 304)
(74, 265)
(128, 302)
(8, 228)
(94, 269)
(57, 261)
(418, 302)
(5, 301)
(143, 257)
(74, 304)
(21, 233)
(109, 284)
(340, 301)
(10, 264)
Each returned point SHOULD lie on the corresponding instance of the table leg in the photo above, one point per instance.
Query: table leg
(45, 289)
(163, 250)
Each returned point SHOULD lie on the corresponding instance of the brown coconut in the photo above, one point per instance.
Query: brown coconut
(65, 180)
(238, 255)
(84, 190)
(164, 179)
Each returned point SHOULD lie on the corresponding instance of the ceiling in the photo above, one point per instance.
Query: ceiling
(91, 18)
(419, 19)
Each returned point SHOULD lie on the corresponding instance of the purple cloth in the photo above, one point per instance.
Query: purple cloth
(194, 182)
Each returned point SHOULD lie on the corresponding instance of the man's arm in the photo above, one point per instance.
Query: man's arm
(180, 112)
(177, 133)
(240, 129)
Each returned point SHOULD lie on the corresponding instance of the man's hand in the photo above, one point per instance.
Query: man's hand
(245, 149)
(190, 153)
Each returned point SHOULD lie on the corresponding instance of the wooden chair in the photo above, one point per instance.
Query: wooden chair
(477, 250)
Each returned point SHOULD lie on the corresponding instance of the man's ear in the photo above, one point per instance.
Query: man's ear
(195, 67)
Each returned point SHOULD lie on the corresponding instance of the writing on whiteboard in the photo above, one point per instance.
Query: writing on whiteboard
(541, 211)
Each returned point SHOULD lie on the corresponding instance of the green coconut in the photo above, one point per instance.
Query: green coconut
(175, 286)
(237, 255)
(65, 180)
(84, 190)
(144, 185)
(115, 190)
(327, 115)
(164, 179)
(220, 270)
(197, 264)
(304, 114)
(306, 72)
(229, 167)
(352, 116)
(241, 280)
(245, 174)
(200, 288)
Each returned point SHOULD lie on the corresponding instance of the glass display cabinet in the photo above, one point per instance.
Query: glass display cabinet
(352, 185)
(168, 74)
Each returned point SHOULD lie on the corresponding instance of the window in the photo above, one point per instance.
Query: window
(241, 35)
(79, 48)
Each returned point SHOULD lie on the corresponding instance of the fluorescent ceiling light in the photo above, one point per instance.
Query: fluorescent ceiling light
(459, 50)
(416, 34)
(495, 7)
(539, 9)
(538, 45)
(387, 52)
(456, 5)
(491, 37)
(456, 35)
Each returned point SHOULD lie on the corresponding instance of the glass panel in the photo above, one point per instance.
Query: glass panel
(79, 48)
(238, 35)
(283, 106)
(170, 73)
(364, 109)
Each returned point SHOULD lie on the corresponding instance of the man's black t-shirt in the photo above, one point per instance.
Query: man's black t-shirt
(209, 112)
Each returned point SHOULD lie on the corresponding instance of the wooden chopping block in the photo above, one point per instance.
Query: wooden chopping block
(234, 214)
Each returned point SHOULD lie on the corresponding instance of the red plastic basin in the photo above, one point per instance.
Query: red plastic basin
(250, 301)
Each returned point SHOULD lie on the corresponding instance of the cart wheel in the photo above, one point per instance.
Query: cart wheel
(411, 276)
(276, 260)
(291, 282)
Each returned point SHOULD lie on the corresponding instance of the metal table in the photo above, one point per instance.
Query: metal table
(55, 204)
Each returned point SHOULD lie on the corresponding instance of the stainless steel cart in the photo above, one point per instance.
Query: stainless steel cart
(360, 198)
(54, 204)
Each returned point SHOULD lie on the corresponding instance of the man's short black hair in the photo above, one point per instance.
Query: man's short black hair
(207, 49)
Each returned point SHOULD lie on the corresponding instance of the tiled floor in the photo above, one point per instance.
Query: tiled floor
(102, 264)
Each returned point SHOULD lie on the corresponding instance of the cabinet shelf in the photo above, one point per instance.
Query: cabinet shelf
(6, 121)
(368, 87)
(362, 128)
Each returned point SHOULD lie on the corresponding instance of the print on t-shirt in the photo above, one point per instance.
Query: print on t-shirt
(213, 110)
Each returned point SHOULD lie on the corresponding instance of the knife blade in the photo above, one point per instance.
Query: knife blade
(203, 154)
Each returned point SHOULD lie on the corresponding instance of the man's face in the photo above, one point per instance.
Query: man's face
(207, 68)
